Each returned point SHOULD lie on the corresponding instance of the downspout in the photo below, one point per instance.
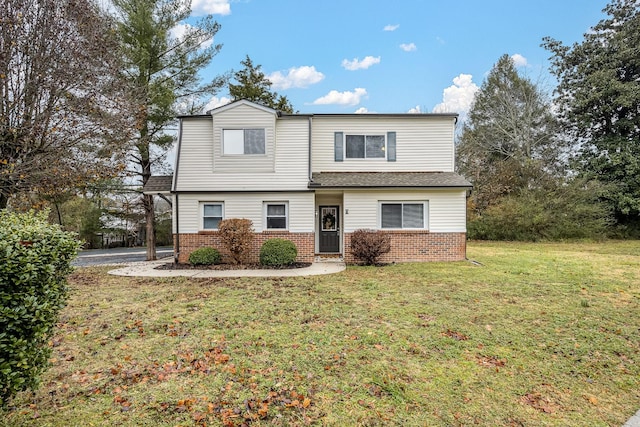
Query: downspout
(176, 250)
(174, 185)
(310, 174)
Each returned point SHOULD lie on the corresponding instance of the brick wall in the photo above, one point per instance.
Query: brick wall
(411, 245)
(305, 242)
(406, 246)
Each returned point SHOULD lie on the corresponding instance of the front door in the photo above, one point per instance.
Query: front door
(329, 228)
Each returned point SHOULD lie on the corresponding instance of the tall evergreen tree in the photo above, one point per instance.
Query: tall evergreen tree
(508, 142)
(163, 69)
(254, 86)
(598, 98)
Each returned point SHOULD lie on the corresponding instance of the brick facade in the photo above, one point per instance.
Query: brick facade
(406, 246)
(419, 246)
(305, 242)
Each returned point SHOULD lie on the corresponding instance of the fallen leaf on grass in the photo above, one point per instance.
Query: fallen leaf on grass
(539, 402)
(458, 336)
(490, 361)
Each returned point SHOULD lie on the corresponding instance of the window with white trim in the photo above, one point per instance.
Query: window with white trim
(399, 215)
(365, 147)
(276, 215)
(212, 214)
(243, 141)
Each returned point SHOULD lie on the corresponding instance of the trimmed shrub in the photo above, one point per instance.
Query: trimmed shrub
(35, 258)
(277, 252)
(205, 256)
(368, 246)
(236, 234)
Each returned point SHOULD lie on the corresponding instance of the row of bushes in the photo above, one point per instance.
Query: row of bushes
(367, 246)
(274, 252)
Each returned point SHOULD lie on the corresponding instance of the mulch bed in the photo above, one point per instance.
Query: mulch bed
(174, 266)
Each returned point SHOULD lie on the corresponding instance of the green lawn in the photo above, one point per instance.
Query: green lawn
(539, 334)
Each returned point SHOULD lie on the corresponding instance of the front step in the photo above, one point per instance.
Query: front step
(329, 258)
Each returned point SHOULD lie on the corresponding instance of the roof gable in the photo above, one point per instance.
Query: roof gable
(242, 102)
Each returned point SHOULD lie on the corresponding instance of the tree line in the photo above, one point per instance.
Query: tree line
(89, 98)
(566, 166)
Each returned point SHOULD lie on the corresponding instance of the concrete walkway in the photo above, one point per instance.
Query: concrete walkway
(147, 269)
(633, 421)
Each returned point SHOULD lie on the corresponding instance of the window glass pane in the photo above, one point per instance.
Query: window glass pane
(391, 215)
(211, 223)
(212, 210)
(254, 141)
(233, 141)
(276, 210)
(375, 146)
(276, 222)
(413, 215)
(355, 146)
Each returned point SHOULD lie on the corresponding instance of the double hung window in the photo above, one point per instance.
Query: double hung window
(276, 215)
(212, 214)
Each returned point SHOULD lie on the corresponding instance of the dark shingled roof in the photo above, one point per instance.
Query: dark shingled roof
(387, 179)
(158, 184)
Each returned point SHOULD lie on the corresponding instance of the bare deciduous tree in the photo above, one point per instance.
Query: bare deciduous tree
(61, 100)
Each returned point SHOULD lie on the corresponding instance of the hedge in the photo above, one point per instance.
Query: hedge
(35, 258)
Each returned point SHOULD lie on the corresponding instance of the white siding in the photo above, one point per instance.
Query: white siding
(447, 208)
(202, 168)
(247, 205)
(423, 143)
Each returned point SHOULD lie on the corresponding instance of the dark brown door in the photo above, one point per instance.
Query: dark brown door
(329, 228)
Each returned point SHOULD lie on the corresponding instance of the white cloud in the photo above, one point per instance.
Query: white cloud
(408, 47)
(296, 77)
(342, 98)
(415, 110)
(458, 97)
(391, 27)
(362, 110)
(356, 64)
(519, 60)
(216, 102)
(210, 7)
(180, 30)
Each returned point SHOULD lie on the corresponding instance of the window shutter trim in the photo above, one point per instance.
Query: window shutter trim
(338, 151)
(391, 146)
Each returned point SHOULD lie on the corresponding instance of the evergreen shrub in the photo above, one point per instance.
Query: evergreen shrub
(205, 256)
(35, 258)
(278, 252)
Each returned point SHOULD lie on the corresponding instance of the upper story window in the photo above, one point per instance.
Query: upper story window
(403, 215)
(212, 214)
(350, 146)
(243, 141)
(365, 146)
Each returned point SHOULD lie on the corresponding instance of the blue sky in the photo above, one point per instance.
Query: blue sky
(397, 56)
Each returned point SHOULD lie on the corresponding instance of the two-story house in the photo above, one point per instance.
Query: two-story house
(316, 178)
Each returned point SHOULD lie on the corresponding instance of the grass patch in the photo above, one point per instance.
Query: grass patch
(540, 334)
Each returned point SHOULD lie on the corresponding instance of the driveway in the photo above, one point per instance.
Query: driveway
(91, 257)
